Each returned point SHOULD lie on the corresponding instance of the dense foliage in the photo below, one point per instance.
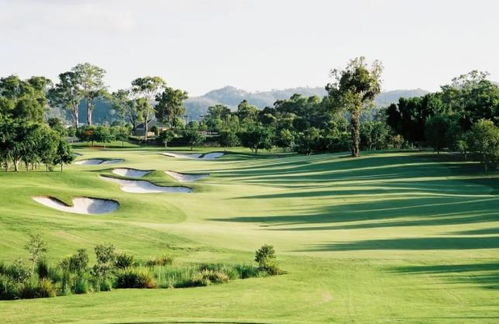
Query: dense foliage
(24, 135)
(36, 278)
(463, 116)
(449, 119)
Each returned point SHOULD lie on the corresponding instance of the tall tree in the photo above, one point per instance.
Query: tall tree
(91, 79)
(24, 99)
(483, 139)
(147, 88)
(354, 89)
(126, 107)
(170, 106)
(247, 113)
(473, 97)
(67, 95)
(63, 154)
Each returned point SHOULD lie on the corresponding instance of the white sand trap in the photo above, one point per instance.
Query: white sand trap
(81, 205)
(186, 177)
(112, 161)
(195, 156)
(89, 162)
(183, 156)
(212, 156)
(98, 161)
(131, 173)
(141, 186)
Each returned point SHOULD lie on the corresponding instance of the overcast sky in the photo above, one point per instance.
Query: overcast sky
(200, 45)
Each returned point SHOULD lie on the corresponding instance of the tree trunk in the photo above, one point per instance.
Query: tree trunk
(146, 128)
(61, 166)
(89, 112)
(75, 117)
(134, 127)
(355, 122)
(16, 165)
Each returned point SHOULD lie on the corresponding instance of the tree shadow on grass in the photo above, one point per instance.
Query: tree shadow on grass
(335, 169)
(415, 211)
(429, 187)
(483, 231)
(450, 219)
(422, 243)
(484, 274)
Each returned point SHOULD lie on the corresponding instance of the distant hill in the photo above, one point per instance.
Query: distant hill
(231, 97)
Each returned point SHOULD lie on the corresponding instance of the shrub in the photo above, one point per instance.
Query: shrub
(76, 263)
(81, 286)
(174, 277)
(37, 289)
(208, 277)
(42, 269)
(36, 247)
(105, 285)
(230, 271)
(248, 271)
(105, 260)
(19, 271)
(8, 288)
(159, 261)
(105, 253)
(55, 274)
(46, 288)
(66, 283)
(135, 278)
(123, 261)
(198, 280)
(266, 259)
(216, 276)
(102, 270)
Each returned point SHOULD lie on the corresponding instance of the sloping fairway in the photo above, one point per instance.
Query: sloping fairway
(385, 238)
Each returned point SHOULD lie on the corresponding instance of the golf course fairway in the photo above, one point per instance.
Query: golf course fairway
(390, 237)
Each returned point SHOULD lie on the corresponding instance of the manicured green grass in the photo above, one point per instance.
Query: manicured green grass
(405, 237)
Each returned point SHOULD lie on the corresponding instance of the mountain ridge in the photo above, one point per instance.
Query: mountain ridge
(232, 96)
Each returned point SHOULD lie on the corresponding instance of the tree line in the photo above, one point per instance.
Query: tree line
(147, 98)
(461, 117)
(25, 137)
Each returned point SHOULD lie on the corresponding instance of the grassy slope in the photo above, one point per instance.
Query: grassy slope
(391, 237)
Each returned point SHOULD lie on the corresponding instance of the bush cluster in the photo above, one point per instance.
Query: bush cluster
(74, 275)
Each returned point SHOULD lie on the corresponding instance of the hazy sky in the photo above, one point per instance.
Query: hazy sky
(200, 45)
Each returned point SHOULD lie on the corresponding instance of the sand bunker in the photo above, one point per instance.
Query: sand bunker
(98, 161)
(141, 186)
(196, 156)
(183, 156)
(81, 205)
(186, 177)
(112, 161)
(89, 162)
(211, 156)
(131, 173)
